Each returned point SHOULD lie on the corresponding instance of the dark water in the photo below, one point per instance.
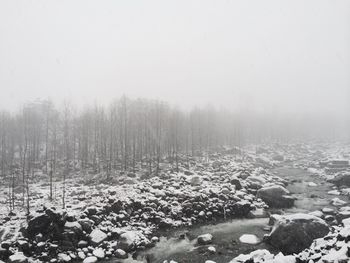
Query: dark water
(226, 235)
(225, 240)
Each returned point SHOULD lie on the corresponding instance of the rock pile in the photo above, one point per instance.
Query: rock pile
(116, 227)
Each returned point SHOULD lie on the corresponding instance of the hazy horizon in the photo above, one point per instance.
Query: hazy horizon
(271, 56)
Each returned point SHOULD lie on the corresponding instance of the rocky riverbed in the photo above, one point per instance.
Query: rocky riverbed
(226, 236)
(228, 199)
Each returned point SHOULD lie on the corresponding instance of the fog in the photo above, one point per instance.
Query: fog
(280, 57)
(174, 131)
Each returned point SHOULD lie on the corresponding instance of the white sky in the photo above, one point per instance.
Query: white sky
(289, 55)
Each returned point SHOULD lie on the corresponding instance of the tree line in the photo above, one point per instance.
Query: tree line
(127, 135)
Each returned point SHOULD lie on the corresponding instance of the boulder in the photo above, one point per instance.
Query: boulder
(74, 227)
(205, 239)
(260, 255)
(38, 225)
(127, 241)
(276, 196)
(212, 249)
(340, 255)
(317, 213)
(82, 244)
(86, 224)
(91, 259)
(51, 223)
(23, 245)
(236, 182)
(117, 206)
(196, 180)
(249, 239)
(97, 237)
(343, 213)
(99, 253)
(18, 257)
(242, 208)
(129, 181)
(293, 233)
(81, 255)
(278, 157)
(119, 253)
(341, 179)
(346, 222)
(338, 202)
(263, 255)
(63, 257)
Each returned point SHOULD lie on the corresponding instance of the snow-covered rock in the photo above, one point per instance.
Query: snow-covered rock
(260, 255)
(346, 222)
(99, 253)
(341, 179)
(63, 257)
(18, 257)
(338, 256)
(205, 239)
(263, 255)
(90, 259)
(249, 239)
(81, 255)
(276, 196)
(128, 240)
(317, 213)
(97, 237)
(212, 249)
(338, 202)
(334, 192)
(119, 253)
(73, 227)
(293, 233)
(195, 180)
(312, 184)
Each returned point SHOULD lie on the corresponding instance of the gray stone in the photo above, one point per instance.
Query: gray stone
(119, 253)
(99, 253)
(97, 237)
(205, 239)
(276, 196)
(90, 259)
(293, 233)
(18, 257)
(127, 240)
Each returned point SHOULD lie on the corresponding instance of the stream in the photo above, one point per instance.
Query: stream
(310, 197)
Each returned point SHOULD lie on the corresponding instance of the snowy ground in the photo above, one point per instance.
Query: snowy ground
(167, 193)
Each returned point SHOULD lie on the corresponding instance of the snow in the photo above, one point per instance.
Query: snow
(249, 239)
(301, 216)
(338, 202)
(205, 239)
(91, 259)
(259, 255)
(99, 253)
(212, 249)
(336, 256)
(334, 192)
(18, 257)
(346, 222)
(97, 237)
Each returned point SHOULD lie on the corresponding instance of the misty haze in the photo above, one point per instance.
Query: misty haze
(175, 131)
